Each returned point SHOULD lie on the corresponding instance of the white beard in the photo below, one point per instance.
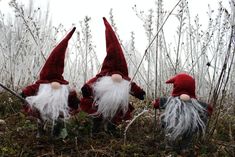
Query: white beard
(183, 118)
(111, 96)
(51, 103)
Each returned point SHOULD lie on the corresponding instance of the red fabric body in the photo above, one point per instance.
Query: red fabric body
(87, 102)
(52, 72)
(114, 63)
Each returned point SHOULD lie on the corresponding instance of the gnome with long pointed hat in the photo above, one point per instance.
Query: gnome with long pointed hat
(184, 116)
(106, 96)
(50, 97)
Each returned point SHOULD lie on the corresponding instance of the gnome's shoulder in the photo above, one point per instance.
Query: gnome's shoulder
(203, 104)
(30, 90)
(162, 101)
(92, 80)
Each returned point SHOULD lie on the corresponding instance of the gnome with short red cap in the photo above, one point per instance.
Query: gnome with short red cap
(183, 116)
(106, 96)
(50, 97)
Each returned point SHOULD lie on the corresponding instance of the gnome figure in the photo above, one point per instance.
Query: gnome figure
(50, 99)
(106, 96)
(183, 116)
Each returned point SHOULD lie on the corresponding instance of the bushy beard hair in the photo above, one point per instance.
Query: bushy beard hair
(51, 103)
(111, 97)
(182, 118)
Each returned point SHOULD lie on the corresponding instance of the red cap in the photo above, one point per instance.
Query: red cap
(114, 62)
(183, 84)
(54, 67)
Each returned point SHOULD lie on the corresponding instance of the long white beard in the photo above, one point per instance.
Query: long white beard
(111, 96)
(51, 103)
(183, 117)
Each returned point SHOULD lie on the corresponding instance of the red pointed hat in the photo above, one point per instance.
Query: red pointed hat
(54, 67)
(114, 62)
(183, 84)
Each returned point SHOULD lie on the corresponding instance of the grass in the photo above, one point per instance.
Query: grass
(18, 137)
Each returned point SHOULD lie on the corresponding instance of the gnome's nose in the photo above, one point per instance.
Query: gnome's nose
(55, 85)
(116, 77)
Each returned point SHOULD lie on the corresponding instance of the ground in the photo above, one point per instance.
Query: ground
(18, 137)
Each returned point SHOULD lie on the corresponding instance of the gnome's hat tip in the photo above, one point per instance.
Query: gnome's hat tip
(170, 80)
(70, 34)
(106, 23)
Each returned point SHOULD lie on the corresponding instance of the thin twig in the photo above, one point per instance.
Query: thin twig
(160, 28)
(13, 93)
(15, 5)
(129, 124)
